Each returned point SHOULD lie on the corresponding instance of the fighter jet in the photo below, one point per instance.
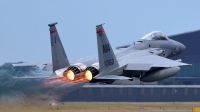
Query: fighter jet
(146, 59)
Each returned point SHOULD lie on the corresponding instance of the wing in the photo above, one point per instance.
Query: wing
(147, 62)
(48, 66)
(51, 77)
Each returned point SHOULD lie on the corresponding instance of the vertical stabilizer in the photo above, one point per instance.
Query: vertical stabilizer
(107, 59)
(59, 57)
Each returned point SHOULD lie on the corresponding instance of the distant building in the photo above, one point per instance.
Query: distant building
(135, 81)
(187, 80)
(189, 75)
(135, 93)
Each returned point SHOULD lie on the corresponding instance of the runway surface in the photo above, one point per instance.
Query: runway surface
(51, 106)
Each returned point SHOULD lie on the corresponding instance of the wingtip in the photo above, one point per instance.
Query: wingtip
(14, 65)
(185, 64)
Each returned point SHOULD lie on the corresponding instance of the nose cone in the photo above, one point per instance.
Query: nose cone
(182, 47)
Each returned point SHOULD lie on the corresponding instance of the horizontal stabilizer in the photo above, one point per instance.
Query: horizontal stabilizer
(113, 77)
(30, 64)
(48, 67)
(54, 76)
(31, 77)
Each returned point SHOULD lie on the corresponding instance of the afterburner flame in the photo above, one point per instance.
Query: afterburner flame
(69, 74)
(85, 76)
(88, 75)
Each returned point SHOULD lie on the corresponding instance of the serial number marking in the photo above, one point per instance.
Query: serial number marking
(109, 62)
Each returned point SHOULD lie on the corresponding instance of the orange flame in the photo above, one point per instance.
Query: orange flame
(84, 76)
(70, 77)
(88, 75)
(69, 74)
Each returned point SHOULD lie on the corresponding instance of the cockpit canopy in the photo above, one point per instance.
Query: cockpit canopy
(155, 35)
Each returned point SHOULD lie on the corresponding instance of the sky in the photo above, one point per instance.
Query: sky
(25, 33)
